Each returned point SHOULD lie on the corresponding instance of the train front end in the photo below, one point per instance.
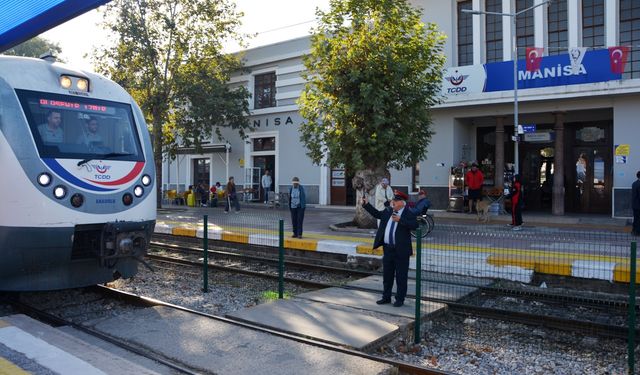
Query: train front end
(78, 188)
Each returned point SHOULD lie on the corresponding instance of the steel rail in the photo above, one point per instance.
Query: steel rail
(548, 321)
(402, 366)
(304, 265)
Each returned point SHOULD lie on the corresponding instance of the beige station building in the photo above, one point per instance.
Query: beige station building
(579, 147)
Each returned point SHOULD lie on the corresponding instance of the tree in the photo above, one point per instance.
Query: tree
(34, 47)
(168, 56)
(373, 74)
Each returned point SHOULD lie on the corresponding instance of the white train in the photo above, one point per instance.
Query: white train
(78, 181)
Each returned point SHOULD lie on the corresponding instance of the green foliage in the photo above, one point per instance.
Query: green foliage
(373, 74)
(34, 47)
(272, 295)
(168, 56)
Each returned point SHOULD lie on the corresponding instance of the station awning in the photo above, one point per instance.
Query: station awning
(206, 149)
(21, 20)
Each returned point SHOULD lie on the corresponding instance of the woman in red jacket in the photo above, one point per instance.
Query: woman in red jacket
(516, 203)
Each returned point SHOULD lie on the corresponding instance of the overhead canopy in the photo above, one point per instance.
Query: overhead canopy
(206, 149)
(21, 20)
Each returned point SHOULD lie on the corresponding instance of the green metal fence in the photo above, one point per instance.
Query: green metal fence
(570, 280)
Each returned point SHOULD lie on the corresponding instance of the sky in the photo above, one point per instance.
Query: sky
(273, 20)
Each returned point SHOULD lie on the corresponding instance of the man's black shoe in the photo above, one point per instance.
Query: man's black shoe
(383, 301)
(398, 304)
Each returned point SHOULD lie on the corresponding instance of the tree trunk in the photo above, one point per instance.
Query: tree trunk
(364, 182)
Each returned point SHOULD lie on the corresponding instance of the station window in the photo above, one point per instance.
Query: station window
(524, 28)
(593, 23)
(494, 31)
(557, 28)
(630, 35)
(264, 92)
(465, 34)
(264, 144)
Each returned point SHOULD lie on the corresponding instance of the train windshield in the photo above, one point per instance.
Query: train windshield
(69, 127)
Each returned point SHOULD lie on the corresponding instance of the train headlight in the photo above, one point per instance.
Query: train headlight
(59, 191)
(127, 199)
(44, 179)
(146, 180)
(77, 200)
(65, 82)
(82, 84)
(138, 191)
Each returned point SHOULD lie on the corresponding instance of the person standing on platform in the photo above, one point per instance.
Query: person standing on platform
(394, 235)
(383, 195)
(232, 197)
(266, 185)
(516, 203)
(474, 180)
(635, 204)
(297, 204)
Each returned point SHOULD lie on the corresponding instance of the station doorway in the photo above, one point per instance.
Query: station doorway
(588, 170)
(342, 193)
(201, 169)
(265, 162)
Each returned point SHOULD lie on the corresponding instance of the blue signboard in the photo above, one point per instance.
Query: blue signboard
(529, 128)
(23, 19)
(554, 71)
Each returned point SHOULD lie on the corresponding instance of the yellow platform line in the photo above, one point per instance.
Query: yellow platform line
(8, 368)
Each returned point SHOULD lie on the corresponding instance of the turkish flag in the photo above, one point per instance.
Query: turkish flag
(534, 58)
(618, 58)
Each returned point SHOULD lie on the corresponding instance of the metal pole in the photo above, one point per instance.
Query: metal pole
(205, 258)
(416, 328)
(631, 342)
(515, 93)
(281, 260)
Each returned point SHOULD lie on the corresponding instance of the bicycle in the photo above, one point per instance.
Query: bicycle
(426, 224)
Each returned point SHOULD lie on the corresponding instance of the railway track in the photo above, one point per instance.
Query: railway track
(544, 320)
(110, 293)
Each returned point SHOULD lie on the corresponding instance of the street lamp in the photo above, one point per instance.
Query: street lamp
(514, 44)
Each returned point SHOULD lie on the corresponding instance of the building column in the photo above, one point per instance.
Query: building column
(558, 166)
(499, 155)
(477, 34)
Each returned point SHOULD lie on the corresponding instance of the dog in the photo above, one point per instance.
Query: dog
(482, 209)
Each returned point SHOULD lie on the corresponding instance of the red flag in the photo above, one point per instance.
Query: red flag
(534, 58)
(618, 58)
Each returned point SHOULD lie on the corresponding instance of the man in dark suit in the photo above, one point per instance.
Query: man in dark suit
(394, 235)
(635, 204)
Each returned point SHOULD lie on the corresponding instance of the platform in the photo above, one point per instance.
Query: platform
(29, 346)
(212, 346)
(348, 317)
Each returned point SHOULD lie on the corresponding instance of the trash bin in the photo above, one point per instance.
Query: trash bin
(494, 209)
(456, 204)
(191, 200)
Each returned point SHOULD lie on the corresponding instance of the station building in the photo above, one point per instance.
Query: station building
(580, 147)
